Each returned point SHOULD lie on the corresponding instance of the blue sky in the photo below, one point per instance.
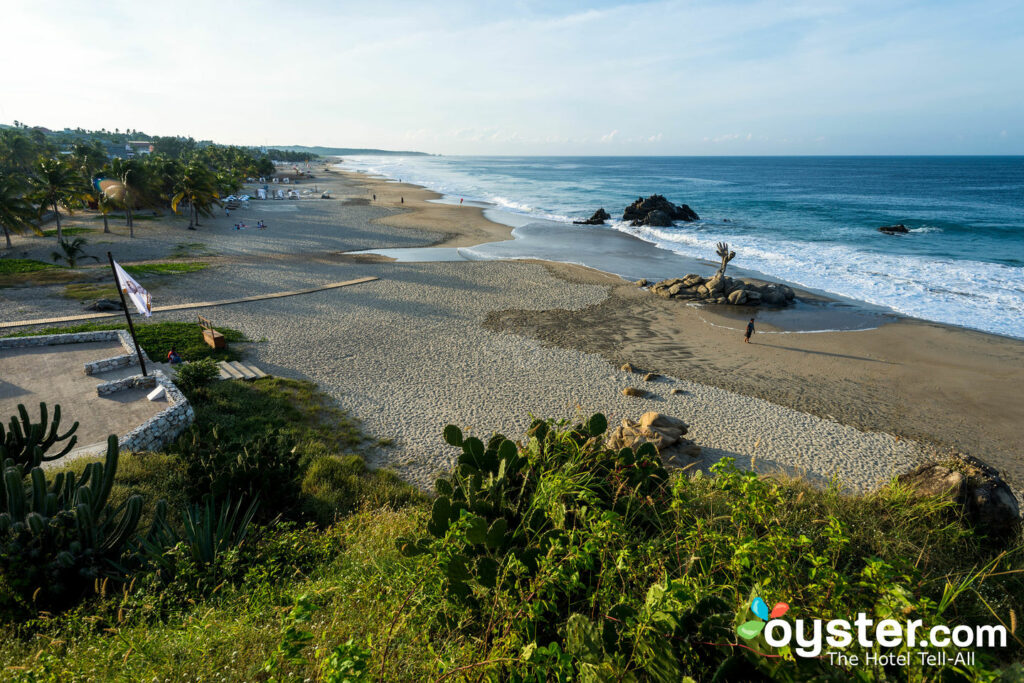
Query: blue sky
(819, 77)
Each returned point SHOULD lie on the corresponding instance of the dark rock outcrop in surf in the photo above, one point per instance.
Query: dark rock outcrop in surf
(599, 217)
(657, 211)
(898, 229)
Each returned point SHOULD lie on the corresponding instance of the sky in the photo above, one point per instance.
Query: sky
(529, 78)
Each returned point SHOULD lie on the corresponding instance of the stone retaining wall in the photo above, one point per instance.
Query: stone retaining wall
(162, 428)
(121, 336)
(98, 366)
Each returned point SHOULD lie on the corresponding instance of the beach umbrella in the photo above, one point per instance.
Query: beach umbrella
(111, 189)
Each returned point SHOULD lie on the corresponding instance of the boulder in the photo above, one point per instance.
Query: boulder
(974, 487)
(599, 217)
(635, 392)
(737, 297)
(651, 376)
(658, 219)
(642, 282)
(627, 368)
(664, 431)
(898, 229)
(104, 305)
(639, 212)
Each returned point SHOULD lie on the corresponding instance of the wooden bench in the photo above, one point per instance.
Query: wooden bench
(211, 336)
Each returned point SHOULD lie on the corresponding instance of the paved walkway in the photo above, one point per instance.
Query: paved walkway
(181, 307)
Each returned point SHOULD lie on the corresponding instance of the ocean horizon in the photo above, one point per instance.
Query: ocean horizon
(811, 221)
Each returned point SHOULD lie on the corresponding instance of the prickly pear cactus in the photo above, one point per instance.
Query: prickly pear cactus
(27, 443)
(485, 518)
(56, 537)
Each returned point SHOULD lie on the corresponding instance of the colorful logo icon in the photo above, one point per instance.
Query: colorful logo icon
(750, 629)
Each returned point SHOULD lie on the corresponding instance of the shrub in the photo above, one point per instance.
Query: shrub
(265, 468)
(196, 375)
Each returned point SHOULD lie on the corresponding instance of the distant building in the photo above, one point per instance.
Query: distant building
(138, 148)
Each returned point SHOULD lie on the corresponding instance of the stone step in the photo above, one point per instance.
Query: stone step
(242, 369)
(254, 370)
(232, 372)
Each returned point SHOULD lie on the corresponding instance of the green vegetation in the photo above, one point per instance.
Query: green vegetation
(68, 231)
(46, 173)
(550, 559)
(10, 266)
(156, 339)
(86, 291)
(152, 269)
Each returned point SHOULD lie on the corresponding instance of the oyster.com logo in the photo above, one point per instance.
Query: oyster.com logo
(750, 629)
(887, 641)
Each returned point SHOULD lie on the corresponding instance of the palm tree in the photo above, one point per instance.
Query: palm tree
(197, 188)
(105, 205)
(16, 210)
(73, 251)
(132, 176)
(57, 185)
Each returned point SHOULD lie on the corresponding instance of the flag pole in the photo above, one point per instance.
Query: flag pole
(124, 304)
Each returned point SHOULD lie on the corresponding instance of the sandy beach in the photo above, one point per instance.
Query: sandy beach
(486, 345)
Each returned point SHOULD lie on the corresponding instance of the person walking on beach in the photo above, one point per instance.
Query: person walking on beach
(750, 331)
(374, 197)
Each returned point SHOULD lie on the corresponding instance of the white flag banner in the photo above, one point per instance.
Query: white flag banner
(134, 291)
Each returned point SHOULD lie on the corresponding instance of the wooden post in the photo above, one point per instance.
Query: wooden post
(131, 328)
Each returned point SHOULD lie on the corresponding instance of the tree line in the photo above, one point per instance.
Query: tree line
(38, 178)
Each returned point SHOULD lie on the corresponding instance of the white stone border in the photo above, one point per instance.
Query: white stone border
(121, 336)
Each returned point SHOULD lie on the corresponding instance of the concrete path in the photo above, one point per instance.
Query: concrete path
(182, 307)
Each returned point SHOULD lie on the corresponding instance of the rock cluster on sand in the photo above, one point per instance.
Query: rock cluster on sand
(721, 289)
(657, 211)
(898, 229)
(974, 487)
(599, 217)
(666, 433)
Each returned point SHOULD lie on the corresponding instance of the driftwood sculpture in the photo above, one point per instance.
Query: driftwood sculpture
(726, 256)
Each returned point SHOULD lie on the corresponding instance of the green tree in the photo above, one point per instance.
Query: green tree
(133, 178)
(16, 211)
(57, 185)
(196, 188)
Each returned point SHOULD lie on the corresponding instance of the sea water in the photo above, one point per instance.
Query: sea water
(810, 221)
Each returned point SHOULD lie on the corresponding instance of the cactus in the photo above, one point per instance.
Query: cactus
(26, 443)
(57, 537)
(483, 513)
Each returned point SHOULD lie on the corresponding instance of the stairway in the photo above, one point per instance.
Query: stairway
(233, 369)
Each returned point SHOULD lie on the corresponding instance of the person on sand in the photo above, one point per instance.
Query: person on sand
(374, 197)
(403, 200)
(749, 332)
(172, 356)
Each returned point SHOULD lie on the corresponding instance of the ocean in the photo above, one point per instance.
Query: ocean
(809, 221)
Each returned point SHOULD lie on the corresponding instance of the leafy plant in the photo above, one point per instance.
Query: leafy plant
(71, 251)
(196, 375)
(265, 468)
(25, 443)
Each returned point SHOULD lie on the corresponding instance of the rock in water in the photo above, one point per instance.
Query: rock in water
(976, 488)
(599, 217)
(665, 212)
(898, 229)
